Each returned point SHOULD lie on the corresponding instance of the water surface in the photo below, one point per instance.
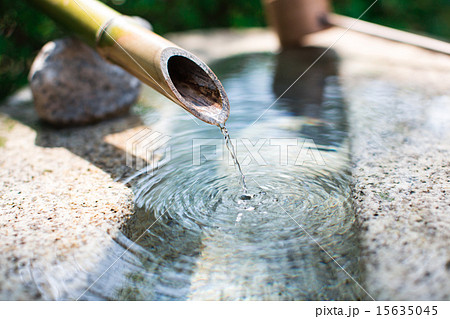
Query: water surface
(198, 238)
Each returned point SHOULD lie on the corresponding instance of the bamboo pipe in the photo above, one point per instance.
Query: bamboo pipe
(157, 62)
(293, 19)
(388, 33)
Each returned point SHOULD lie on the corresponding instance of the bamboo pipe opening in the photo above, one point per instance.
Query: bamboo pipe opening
(171, 70)
(195, 85)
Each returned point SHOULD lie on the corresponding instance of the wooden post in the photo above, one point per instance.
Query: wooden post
(293, 19)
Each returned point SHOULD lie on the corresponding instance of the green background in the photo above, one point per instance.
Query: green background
(23, 30)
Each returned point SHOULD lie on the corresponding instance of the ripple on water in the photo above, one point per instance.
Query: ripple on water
(207, 241)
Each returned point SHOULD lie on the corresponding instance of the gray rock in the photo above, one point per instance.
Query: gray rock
(73, 85)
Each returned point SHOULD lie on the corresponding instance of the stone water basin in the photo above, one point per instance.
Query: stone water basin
(378, 206)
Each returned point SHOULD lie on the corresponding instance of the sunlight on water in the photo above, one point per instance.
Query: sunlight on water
(206, 240)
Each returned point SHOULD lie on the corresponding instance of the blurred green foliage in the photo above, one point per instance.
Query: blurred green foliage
(23, 29)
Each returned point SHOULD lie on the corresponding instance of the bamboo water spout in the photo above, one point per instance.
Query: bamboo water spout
(157, 62)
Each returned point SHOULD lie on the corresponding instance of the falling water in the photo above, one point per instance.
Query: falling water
(233, 155)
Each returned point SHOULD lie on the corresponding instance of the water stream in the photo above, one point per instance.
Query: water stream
(198, 238)
(232, 152)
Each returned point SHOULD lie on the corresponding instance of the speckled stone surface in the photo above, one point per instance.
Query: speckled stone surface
(60, 207)
(398, 99)
(401, 151)
(73, 85)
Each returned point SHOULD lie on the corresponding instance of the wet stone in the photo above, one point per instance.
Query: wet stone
(73, 85)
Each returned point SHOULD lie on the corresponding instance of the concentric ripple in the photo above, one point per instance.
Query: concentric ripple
(198, 237)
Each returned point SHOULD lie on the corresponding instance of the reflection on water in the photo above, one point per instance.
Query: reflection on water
(205, 240)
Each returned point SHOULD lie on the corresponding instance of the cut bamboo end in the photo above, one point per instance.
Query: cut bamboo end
(195, 86)
(172, 71)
